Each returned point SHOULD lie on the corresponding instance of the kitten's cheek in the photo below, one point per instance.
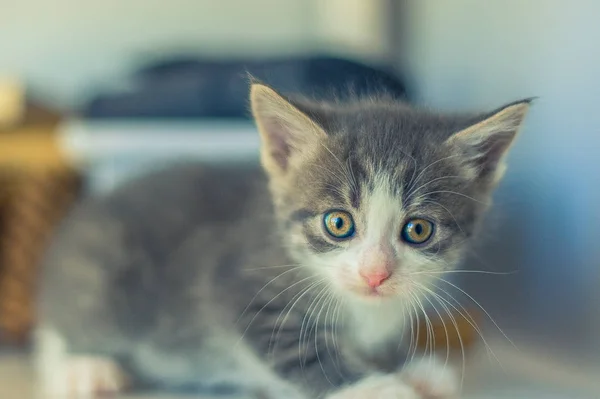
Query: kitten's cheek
(347, 281)
(341, 278)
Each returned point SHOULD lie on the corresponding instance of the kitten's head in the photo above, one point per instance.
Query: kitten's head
(377, 196)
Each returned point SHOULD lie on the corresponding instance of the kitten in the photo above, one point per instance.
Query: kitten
(298, 283)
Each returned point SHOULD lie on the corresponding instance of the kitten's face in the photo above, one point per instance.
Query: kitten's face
(379, 198)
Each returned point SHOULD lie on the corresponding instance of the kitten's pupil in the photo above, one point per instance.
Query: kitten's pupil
(419, 229)
(339, 223)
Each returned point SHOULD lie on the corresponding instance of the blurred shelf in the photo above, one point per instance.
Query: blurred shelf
(110, 152)
(98, 141)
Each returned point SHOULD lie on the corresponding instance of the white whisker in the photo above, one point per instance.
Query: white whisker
(317, 337)
(338, 316)
(455, 324)
(430, 165)
(480, 307)
(295, 266)
(413, 192)
(291, 304)
(452, 192)
(267, 304)
(344, 167)
(261, 290)
(450, 213)
(469, 319)
(306, 328)
(463, 271)
(445, 330)
(430, 343)
(417, 332)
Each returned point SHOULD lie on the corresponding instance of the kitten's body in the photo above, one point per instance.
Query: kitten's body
(217, 278)
(182, 268)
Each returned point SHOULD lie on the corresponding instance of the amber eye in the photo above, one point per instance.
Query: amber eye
(339, 224)
(417, 231)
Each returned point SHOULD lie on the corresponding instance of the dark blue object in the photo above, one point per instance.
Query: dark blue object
(196, 88)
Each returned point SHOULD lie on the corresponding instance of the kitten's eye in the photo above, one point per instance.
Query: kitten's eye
(417, 231)
(339, 224)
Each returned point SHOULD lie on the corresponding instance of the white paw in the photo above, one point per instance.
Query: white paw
(432, 379)
(63, 376)
(377, 387)
(82, 377)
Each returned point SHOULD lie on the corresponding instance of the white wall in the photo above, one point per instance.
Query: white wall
(65, 46)
(475, 54)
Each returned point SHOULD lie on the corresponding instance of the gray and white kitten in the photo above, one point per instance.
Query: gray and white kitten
(295, 283)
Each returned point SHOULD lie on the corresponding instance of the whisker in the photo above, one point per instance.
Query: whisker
(484, 262)
(463, 271)
(454, 322)
(261, 290)
(335, 189)
(430, 165)
(452, 192)
(416, 190)
(331, 173)
(418, 333)
(343, 166)
(305, 329)
(401, 341)
(412, 332)
(468, 318)
(296, 266)
(352, 175)
(339, 315)
(291, 305)
(449, 213)
(430, 331)
(445, 329)
(268, 303)
(480, 307)
(412, 179)
(317, 338)
(332, 300)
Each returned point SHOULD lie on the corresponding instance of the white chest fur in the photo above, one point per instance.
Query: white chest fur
(373, 326)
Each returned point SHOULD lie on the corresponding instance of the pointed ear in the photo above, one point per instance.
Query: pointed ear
(288, 135)
(484, 145)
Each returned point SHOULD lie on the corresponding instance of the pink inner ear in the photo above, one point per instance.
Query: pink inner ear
(279, 148)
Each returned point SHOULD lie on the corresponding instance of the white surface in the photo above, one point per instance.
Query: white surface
(110, 152)
(65, 47)
(522, 376)
(92, 141)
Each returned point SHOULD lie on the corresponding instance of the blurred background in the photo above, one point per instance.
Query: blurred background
(93, 93)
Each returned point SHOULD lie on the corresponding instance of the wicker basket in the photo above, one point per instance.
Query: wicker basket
(32, 204)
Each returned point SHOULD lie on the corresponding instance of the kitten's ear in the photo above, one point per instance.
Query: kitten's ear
(288, 135)
(484, 144)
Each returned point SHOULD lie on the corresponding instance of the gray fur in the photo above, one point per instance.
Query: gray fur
(185, 276)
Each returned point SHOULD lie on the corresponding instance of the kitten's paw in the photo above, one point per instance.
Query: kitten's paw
(83, 377)
(377, 387)
(432, 379)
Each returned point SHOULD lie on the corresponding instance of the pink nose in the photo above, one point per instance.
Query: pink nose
(375, 279)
